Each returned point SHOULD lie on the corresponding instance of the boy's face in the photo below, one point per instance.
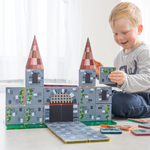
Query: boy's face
(125, 34)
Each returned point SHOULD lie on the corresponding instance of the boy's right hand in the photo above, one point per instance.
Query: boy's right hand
(97, 64)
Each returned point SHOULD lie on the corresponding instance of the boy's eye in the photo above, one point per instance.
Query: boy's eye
(115, 33)
(124, 32)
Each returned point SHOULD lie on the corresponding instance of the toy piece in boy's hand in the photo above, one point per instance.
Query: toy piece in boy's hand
(146, 125)
(139, 120)
(110, 131)
(122, 127)
(104, 73)
(141, 132)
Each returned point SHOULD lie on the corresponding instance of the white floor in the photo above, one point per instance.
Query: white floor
(43, 139)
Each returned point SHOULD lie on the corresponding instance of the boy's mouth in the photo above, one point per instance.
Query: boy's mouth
(123, 43)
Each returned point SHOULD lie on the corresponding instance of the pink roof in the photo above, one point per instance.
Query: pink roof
(87, 60)
(34, 60)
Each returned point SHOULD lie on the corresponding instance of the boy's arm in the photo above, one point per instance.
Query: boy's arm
(139, 82)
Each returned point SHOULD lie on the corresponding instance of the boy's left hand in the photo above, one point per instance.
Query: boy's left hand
(117, 77)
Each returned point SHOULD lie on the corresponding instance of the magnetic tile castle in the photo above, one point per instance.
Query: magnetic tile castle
(60, 108)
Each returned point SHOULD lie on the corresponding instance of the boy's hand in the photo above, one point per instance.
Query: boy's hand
(117, 77)
(97, 64)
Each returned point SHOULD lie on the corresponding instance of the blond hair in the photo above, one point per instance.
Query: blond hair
(127, 10)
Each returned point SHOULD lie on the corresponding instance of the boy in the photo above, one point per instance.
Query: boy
(132, 64)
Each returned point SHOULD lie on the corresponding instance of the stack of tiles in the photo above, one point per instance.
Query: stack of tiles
(94, 102)
(34, 86)
(24, 105)
(15, 105)
(103, 103)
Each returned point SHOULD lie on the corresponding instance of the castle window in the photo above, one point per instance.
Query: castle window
(87, 78)
(35, 78)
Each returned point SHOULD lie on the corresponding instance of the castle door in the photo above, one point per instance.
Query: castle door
(61, 108)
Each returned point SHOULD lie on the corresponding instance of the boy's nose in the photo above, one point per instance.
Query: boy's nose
(120, 37)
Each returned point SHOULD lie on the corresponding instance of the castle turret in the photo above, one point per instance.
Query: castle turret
(87, 72)
(34, 86)
(94, 102)
(87, 59)
(25, 104)
(87, 75)
(34, 59)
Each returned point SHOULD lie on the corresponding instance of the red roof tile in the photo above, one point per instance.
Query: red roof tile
(87, 60)
(34, 60)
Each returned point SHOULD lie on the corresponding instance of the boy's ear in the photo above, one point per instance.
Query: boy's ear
(140, 29)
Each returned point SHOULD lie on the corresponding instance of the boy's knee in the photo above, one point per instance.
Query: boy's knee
(126, 100)
(122, 103)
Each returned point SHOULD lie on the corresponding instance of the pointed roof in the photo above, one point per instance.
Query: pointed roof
(87, 59)
(34, 60)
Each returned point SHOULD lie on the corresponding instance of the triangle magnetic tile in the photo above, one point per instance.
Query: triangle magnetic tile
(34, 59)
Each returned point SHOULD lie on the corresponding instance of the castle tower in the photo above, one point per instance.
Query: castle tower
(94, 102)
(87, 75)
(87, 72)
(25, 104)
(34, 86)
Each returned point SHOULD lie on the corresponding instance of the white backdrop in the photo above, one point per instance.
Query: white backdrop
(57, 25)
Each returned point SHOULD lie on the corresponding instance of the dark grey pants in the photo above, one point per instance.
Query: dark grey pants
(130, 105)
